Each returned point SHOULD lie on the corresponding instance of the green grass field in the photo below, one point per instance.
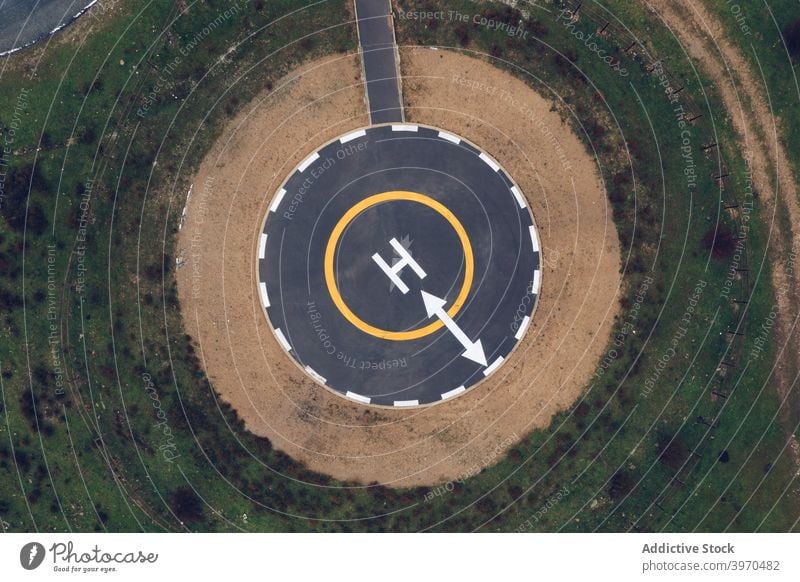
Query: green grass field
(108, 422)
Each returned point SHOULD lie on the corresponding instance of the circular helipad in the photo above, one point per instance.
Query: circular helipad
(399, 265)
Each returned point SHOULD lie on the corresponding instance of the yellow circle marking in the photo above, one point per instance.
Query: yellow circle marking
(333, 241)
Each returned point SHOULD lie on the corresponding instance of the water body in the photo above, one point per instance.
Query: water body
(24, 22)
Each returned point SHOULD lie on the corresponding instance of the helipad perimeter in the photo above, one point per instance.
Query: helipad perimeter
(399, 265)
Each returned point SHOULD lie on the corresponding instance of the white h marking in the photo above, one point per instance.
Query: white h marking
(393, 272)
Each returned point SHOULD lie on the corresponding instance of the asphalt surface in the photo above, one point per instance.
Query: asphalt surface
(442, 172)
(379, 60)
(23, 22)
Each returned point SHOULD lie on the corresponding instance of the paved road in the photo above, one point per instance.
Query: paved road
(381, 69)
(23, 22)
(326, 259)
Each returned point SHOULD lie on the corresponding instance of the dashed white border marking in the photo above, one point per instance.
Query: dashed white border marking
(351, 136)
(494, 365)
(278, 200)
(282, 339)
(78, 14)
(518, 195)
(534, 238)
(313, 373)
(358, 397)
(489, 162)
(450, 137)
(186, 205)
(264, 296)
(523, 326)
(308, 161)
(453, 392)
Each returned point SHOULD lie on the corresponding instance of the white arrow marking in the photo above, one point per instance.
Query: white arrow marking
(473, 350)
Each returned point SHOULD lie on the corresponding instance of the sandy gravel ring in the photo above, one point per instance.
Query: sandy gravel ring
(553, 364)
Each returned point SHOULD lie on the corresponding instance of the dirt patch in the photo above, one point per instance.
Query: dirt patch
(548, 371)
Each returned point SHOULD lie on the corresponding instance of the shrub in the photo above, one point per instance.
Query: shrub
(186, 505)
(791, 35)
(721, 241)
